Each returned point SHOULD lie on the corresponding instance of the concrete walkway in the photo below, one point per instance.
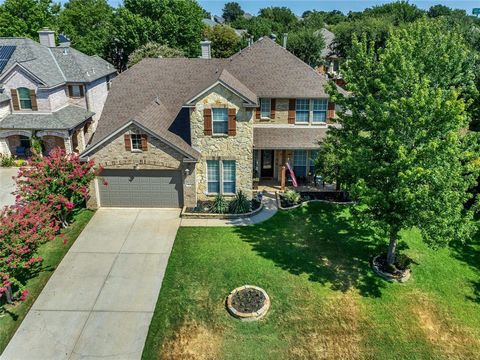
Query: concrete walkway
(7, 186)
(100, 300)
(269, 209)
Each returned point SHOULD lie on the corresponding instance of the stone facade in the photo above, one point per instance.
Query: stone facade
(113, 155)
(238, 147)
(281, 113)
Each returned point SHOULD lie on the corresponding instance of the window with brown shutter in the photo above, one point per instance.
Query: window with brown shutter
(331, 112)
(128, 144)
(207, 121)
(291, 111)
(33, 99)
(144, 142)
(15, 103)
(232, 123)
(273, 103)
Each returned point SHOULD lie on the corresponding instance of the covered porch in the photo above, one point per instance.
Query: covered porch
(297, 145)
(269, 166)
(67, 129)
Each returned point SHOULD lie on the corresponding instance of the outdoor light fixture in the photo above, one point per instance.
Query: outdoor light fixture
(187, 172)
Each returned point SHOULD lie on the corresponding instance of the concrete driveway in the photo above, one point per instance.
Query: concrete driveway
(7, 186)
(100, 300)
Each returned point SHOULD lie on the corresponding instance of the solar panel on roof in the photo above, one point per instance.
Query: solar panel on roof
(6, 52)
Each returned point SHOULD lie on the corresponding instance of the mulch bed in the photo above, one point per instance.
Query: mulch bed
(203, 207)
(248, 300)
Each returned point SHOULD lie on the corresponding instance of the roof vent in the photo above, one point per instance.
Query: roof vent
(206, 49)
(285, 37)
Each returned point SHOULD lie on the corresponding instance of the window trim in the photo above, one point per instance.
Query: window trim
(221, 178)
(27, 90)
(81, 91)
(219, 121)
(311, 111)
(263, 102)
(132, 148)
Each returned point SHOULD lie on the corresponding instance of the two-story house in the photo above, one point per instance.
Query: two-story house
(175, 131)
(53, 93)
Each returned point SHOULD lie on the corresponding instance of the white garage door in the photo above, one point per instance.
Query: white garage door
(141, 188)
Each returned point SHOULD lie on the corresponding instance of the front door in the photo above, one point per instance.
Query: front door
(266, 168)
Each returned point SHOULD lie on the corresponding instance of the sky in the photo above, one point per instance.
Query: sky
(299, 6)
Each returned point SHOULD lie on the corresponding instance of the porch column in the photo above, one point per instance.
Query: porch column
(4, 148)
(68, 144)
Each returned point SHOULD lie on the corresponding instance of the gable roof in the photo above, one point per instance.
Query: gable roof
(56, 65)
(154, 91)
(231, 83)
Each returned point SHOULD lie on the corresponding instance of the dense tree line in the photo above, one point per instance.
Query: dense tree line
(114, 33)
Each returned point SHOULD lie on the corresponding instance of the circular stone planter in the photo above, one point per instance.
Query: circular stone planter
(248, 303)
(400, 276)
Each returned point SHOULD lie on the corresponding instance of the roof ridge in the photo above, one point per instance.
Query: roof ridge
(56, 63)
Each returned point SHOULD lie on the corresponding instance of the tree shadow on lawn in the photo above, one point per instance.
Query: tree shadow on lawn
(322, 241)
(469, 253)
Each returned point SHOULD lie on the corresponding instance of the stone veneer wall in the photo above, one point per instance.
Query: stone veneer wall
(238, 147)
(159, 155)
(281, 113)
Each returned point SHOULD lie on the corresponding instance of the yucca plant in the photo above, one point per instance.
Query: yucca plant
(240, 204)
(220, 205)
(292, 197)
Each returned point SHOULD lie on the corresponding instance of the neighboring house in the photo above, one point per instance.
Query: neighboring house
(331, 65)
(54, 93)
(218, 20)
(175, 131)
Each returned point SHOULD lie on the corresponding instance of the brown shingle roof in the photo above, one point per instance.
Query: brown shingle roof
(154, 91)
(288, 137)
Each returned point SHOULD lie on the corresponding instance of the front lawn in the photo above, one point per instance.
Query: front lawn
(52, 253)
(326, 302)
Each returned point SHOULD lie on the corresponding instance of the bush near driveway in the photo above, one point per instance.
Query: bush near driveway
(51, 190)
(51, 252)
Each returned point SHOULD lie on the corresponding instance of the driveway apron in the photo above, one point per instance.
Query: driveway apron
(100, 300)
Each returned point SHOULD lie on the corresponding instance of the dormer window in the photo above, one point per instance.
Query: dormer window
(24, 98)
(75, 91)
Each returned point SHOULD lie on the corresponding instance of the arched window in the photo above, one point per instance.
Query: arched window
(24, 98)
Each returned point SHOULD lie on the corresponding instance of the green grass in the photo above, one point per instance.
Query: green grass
(52, 253)
(326, 302)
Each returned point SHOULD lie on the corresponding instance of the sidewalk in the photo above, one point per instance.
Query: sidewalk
(269, 209)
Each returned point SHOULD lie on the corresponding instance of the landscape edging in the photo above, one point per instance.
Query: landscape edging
(190, 215)
(279, 205)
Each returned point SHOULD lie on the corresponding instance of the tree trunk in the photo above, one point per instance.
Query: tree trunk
(392, 247)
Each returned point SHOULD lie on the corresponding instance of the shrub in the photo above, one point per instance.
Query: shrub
(23, 228)
(7, 161)
(292, 197)
(240, 204)
(61, 181)
(220, 205)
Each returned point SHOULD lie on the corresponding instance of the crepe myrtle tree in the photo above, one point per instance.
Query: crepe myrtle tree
(403, 151)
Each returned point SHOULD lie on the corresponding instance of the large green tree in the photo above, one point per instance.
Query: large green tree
(88, 24)
(225, 42)
(282, 18)
(232, 11)
(25, 17)
(177, 23)
(153, 50)
(402, 149)
(306, 45)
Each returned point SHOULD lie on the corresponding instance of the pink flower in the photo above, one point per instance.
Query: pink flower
(69, 205)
